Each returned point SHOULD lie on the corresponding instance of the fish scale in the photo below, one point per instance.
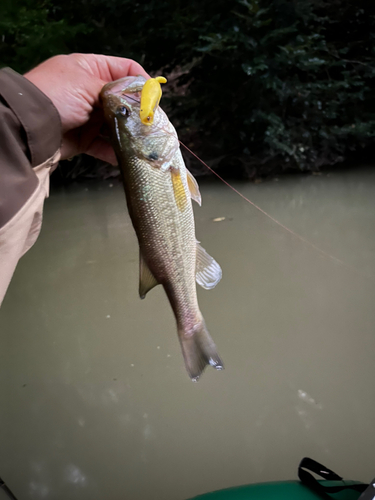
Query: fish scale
(168, 251)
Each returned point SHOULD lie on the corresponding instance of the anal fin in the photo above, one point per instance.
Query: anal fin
(147, 281)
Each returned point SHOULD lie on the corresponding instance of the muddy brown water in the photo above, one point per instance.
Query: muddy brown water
(95, 400)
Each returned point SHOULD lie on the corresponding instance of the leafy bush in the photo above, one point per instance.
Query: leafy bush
(255, 84)
(31, 33)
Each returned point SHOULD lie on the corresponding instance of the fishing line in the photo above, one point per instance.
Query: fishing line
(263, 211)
(290, 231)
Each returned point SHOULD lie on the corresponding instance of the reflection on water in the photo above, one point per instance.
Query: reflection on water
(96, 402)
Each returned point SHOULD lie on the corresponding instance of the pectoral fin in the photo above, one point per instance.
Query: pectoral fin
(147, 281)
(208, 272)
(179, 190)
(193, 188)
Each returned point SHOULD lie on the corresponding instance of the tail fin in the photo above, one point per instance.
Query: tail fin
(199, 351)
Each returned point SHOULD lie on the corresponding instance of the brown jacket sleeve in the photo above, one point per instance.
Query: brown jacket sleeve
(30, 137)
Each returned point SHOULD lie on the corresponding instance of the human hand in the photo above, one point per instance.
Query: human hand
(73, 84)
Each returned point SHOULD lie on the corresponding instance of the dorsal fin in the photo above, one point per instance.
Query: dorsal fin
(207, 272)
(193, 188)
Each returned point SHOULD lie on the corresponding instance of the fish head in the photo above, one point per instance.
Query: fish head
(121, 104)
(155, 143)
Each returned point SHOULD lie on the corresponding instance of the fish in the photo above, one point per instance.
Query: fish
(150, 98)
(159, 191)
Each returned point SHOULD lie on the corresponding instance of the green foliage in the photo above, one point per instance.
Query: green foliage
(262, 84)
(30, 33)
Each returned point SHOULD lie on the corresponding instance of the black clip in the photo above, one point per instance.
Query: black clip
(307, 464)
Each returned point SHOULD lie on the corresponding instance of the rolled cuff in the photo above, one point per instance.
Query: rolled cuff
(35, 112)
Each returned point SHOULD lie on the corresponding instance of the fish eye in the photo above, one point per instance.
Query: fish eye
(123, 111)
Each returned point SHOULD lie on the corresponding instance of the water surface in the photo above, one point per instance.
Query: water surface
(95, 400)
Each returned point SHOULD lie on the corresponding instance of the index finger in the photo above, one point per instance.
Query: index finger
(112, 68)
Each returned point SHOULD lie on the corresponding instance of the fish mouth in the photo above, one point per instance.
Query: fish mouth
(125, 91)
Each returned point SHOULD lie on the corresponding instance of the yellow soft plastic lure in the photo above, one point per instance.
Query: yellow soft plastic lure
(150, 98)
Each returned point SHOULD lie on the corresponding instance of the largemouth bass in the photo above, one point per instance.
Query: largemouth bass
(159, 189)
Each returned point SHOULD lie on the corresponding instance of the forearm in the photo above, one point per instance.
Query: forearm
(30, 137)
